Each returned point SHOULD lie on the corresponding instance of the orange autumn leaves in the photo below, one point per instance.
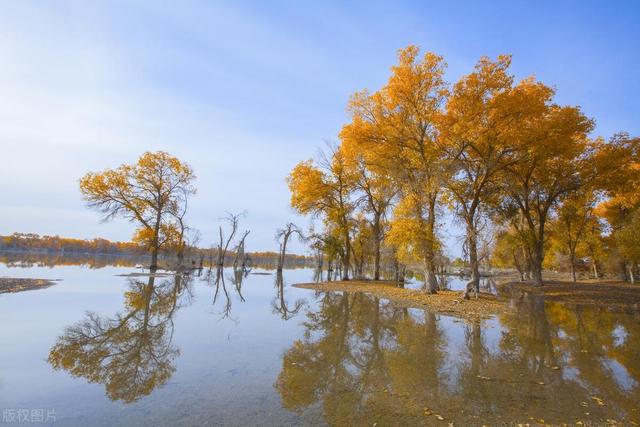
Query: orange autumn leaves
(153, 193)
(487, 148)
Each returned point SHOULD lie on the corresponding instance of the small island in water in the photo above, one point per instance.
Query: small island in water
(10, 284)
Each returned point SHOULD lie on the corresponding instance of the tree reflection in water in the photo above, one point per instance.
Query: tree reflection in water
(221, 292)
(280, 305)
(132, 353)
(363, 362)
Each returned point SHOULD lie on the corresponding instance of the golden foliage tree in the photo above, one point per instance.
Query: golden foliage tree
(552, 158)
(325, 190)
(574, 221)
(495, 151)
(376, 191)
(153, 193)
(477, 128)
(619, 170)
(397, 126)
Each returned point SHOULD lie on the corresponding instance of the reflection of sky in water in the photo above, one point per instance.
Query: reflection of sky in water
(619, 335)
(454, 283)
(572, 374)
(620, 374)
(224, 363)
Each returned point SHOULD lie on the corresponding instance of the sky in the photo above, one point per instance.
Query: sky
(242, 91)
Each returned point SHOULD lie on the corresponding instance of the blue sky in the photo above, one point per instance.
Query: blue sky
(244, 90)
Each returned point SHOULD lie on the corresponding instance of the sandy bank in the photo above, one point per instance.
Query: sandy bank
(445, 302)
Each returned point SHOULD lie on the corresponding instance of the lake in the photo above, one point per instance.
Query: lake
(105, 347)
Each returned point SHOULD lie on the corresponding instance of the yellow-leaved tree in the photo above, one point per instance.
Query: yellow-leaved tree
(552, 158)
(397, 128)
(325, 190)
(575, 220)
(476, 136)
(153, 193)
(618, 164)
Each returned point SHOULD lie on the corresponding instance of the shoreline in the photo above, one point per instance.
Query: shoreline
(609, 292)
(444, 302)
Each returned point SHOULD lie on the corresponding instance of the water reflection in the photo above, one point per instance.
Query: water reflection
(454, 283)
(364, 362)
(132, 352)
(216, 279)
(38, 259)
(280, 305)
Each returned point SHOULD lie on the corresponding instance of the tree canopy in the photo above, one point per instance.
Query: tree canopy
(153, 193)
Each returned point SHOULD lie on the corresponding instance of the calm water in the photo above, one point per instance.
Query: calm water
(99, 348)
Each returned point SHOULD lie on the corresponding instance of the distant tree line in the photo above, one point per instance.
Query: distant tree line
(65, 249)
(35, 242)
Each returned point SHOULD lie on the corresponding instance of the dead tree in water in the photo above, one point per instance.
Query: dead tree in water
(223, 245)
(240, 255)
(283, 235)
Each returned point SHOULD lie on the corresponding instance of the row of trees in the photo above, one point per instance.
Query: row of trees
(499, 154)
(35, 242)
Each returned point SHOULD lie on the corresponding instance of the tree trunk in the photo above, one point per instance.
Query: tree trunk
(537, 259)
(154, 258)
(181, 251)
(595, 269)
(519, 267)
(431, 281)
(472, 246)
(156, 240)
(283, 251)
(526, 254)
(632, 277)
(572, 259)
(345, 258)
(377, 238)
(536, 272)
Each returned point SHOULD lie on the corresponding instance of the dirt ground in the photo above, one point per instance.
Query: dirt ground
(445, 302)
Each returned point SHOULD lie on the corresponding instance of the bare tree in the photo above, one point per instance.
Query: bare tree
(283, 235)
(240, 254)
(223, 245)
(187, 237)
